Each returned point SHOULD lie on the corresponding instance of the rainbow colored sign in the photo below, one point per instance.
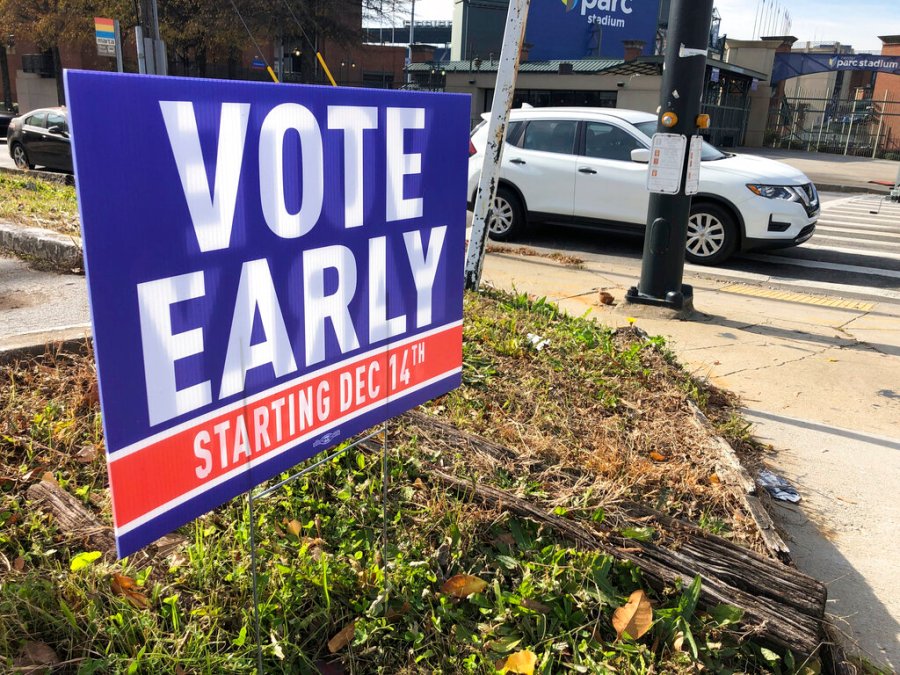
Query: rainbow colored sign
(105, 31)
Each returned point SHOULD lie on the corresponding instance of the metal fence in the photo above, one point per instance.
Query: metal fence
(858, 127)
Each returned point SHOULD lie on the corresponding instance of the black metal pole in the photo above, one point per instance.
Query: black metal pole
(684, 76)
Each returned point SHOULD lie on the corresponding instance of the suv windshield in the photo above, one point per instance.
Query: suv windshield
(708, 154)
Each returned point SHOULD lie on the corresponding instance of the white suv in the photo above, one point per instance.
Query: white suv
(588, 166)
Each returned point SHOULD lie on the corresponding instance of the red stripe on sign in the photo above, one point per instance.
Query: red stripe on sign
(193, 457)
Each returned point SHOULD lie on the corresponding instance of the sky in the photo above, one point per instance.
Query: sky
(853, 22)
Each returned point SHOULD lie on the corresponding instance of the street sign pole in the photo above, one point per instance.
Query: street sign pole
(118, 46)
(662, 268)
(504, 89)
(139, 44)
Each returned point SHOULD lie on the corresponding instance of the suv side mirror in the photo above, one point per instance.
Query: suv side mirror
(640, 155)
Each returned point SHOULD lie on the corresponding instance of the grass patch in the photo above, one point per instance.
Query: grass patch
(589, 398)
(35, 202)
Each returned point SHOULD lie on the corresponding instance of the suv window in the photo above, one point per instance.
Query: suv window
(37, 120)
(605, 141)
(57, 120)
(550, 136)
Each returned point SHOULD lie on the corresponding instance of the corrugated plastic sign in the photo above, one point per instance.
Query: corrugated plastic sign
(272, 269)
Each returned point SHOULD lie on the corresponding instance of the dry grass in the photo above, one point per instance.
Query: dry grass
(606, 412)
(34, 202)
(562, 258)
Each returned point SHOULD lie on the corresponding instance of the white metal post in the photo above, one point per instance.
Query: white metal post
(504, 89)
(822, 121)
(850, 128)
(118, 33)
(880, 122)
(139, 44)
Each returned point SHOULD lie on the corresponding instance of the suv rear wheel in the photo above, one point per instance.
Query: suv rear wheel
(507, 219)
(712, 234)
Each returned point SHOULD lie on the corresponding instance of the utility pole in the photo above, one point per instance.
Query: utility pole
(412, 40)
(684, 76)
(4, 74)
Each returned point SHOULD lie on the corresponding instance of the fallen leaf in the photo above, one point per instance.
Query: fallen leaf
(127, 587)
(832, 360)
(394, 614)
(635, 617)
(48, 477)
(93, 394)
(658, 456)
(19, 564)
(83, 560)
(535, 606)
(295, 527)
(35, 657)
(506, 538)
(463, 585)
(520, 662)
(87, 454)
(179, 670)
(342, 639)
(714, 478)
(678, 643)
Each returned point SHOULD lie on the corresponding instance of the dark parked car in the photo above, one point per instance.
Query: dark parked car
(41, 138)
(6, 117)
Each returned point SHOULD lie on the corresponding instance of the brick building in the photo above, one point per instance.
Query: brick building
(33, 81)
(887, 88)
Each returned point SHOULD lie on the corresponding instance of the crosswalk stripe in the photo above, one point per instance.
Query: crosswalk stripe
(851, 230)
(819, 237)
(888, 223)
(837, 267)
(855, 251)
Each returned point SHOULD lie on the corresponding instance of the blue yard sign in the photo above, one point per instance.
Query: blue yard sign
(272, 269)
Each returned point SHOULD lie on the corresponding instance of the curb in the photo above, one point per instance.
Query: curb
(60, 250)
(865, 189)
(52, 176)
(71, 339)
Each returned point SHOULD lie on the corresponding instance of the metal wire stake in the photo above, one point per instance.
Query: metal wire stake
(384, 513)
(259, 654)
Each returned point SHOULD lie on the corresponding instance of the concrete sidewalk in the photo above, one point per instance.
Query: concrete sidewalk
(835, 172)
(822, 385)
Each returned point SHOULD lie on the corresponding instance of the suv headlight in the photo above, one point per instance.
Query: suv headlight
(791, 194)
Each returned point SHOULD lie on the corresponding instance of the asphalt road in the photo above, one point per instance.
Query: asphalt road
(854, 253)
(5, 159)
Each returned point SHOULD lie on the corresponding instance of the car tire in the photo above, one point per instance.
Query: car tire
(20, 156)
(712, 234)
(506, 220)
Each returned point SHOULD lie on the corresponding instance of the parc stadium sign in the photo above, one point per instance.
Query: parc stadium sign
(580, 29)
(272, 269)
(796, 64)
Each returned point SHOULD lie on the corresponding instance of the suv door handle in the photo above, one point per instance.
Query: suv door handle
(586, 169)
(517, 161)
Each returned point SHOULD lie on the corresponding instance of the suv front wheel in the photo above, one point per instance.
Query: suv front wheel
(712, 234)
(506, 220)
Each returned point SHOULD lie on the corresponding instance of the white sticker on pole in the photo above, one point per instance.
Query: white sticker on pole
(666, 163)
(692, 181)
